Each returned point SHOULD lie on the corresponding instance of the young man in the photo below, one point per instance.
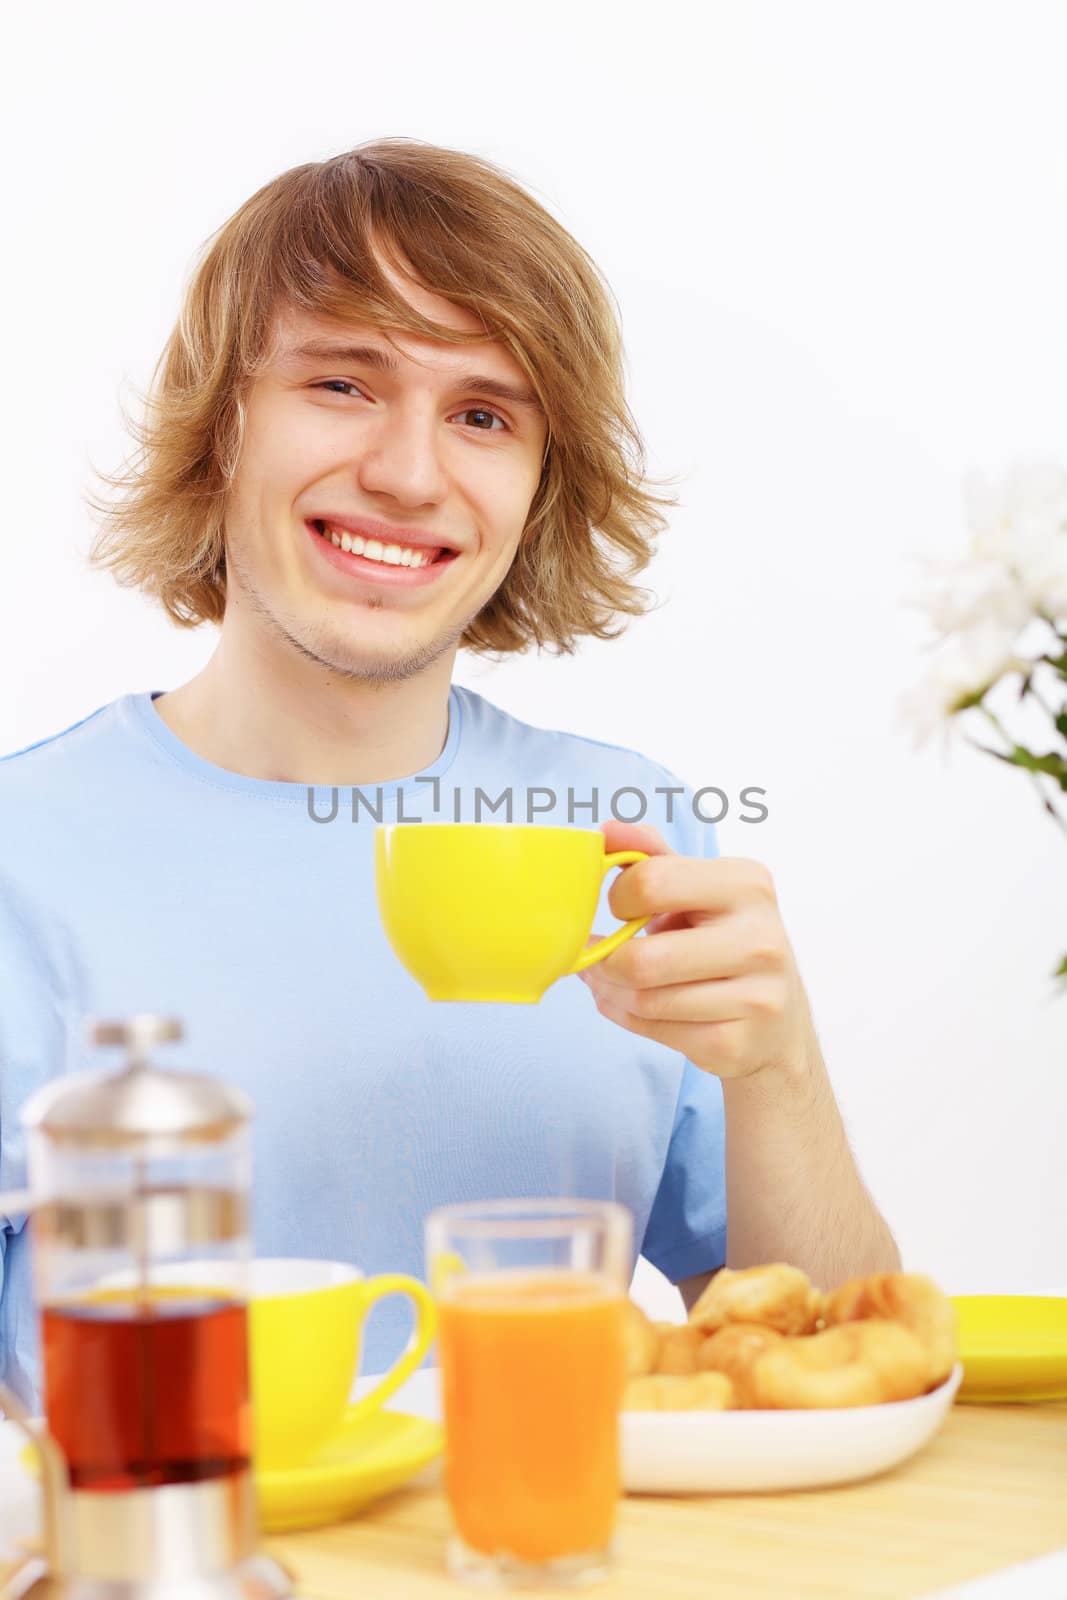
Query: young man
(389, 423)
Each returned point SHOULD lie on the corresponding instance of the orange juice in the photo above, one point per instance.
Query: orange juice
(532, 1370)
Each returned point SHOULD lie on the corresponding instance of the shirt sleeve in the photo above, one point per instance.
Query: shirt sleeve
(686, 1231)
(35, 978)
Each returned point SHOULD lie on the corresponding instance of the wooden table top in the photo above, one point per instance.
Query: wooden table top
(988, 1491)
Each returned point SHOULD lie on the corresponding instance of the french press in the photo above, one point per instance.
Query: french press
(139, 1188)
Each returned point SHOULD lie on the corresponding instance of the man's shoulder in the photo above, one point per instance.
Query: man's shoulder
(63, 743)
(554, 744)
(56, 765)
(629, 784)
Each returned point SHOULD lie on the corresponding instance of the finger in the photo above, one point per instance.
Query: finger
(634, 836)
(724, 1000)
(668, 921)
(726, 948)
(684, 883)
(723, 1054)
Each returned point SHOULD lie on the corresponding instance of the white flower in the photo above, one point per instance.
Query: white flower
(1045, 580)
(1020, 521)
(963, 594)
(966, 664)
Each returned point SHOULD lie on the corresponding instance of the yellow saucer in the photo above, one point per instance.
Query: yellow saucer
(1013, 1346)
(366, 1457)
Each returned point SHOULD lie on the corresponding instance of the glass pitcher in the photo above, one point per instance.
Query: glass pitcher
(139, 1199)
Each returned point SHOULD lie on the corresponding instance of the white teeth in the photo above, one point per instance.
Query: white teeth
(393, 555)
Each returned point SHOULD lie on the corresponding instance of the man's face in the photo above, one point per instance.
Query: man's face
(425, 453)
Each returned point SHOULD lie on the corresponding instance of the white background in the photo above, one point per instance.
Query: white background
(838, 234)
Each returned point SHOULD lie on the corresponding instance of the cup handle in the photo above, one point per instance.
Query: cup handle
(604, 947)
(422, 1336)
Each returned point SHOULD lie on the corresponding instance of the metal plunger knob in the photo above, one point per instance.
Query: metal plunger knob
(140, 1034)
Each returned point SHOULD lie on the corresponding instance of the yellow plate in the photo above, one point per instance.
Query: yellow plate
(365, 1458)
(1013, 1346)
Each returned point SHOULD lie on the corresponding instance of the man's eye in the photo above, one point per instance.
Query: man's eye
(484, 425)
(336, 385)
(479, 411)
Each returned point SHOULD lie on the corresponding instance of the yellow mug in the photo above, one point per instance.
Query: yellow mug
(494, 911)
(305, 1321)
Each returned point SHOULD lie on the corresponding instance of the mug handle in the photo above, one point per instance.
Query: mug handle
(604, 947)
(422, 1336)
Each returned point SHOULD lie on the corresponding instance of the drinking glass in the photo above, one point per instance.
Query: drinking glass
(531, 1300)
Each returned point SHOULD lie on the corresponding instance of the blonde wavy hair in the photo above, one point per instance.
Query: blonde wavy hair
(469, 232)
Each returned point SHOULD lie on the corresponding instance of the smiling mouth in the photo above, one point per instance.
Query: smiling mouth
(390, 555)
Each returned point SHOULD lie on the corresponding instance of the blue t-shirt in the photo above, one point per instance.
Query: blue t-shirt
(137, 877)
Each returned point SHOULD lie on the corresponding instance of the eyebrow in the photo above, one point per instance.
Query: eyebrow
(371, 355)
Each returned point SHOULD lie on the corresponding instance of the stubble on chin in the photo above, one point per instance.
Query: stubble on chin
(334, 649)
(344, 659)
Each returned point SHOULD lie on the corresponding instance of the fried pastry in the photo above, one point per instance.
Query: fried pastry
(907, 1298)
(855, 1364)
(642, 1342)
(756, 1340)
(733, 1350)
(776, 1296)
(679, 1350)
(700, 1391)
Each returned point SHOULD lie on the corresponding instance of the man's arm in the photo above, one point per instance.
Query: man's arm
(793, 1191)
(692, 1288)
(715, 978)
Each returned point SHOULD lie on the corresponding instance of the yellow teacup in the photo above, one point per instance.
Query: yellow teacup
(494, 911)
(305, 1321)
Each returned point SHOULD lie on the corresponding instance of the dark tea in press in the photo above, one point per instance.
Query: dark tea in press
(144, 1389)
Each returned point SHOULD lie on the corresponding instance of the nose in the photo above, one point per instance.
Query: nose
(400, 457)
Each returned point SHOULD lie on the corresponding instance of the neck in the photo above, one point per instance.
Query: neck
(267, 712)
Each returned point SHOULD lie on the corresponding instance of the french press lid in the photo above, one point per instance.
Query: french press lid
(139, 1101)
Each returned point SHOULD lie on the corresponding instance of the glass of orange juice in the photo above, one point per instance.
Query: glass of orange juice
(531, 1298)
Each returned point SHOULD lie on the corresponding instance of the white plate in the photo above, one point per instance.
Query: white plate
(742, 1452)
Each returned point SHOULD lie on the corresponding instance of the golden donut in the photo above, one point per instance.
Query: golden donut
(776, 1296)
(679, 1349)
(856, 1364)
(909, 1299)
(897, 1356)
(642, 1342)
(733, 1350)
(700, 1391)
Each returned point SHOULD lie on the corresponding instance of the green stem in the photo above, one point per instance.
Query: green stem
(1046, 708)
(1034, 776)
